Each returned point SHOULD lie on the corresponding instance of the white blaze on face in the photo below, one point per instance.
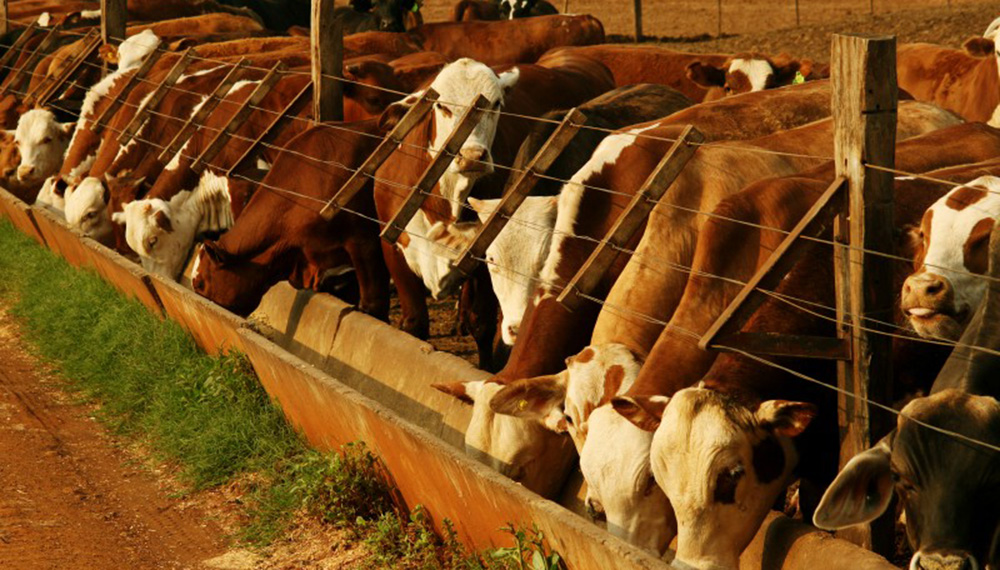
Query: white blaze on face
(516, 256)
(87, 211)
(615, 461)
(722, 467)
(41, 142)
(992, 29)
(757, 71)
(951, 230)
(430, 251)
(459, 84)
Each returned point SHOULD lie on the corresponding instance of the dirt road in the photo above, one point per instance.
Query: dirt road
(68, 497)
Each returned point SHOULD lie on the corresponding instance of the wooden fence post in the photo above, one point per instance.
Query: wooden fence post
(327, 46)
(4, 24)
(718, 32)
(864, 113)
(798, 21)
(637, 10)
(114, 14)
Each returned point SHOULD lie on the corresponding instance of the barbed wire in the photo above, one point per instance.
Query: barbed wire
(775, 295)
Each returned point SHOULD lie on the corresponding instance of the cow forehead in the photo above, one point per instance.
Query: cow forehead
(757, 71)
(87, 195)
(463, 80)
(705, 417)
(615, 455)
(954, 215)
(34, 125)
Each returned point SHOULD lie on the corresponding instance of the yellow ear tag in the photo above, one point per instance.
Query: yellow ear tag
(799, 78)
(522, 405)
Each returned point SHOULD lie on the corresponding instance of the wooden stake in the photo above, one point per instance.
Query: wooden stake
(512, 200)
(114, 14)
(158, 94)
(239, 117)
(382, 152)
(863, 76)
(327, 45)
(635, 214)
(198, 117)
(436, 169)
(130, 83)
(637, 11)
(270, 134)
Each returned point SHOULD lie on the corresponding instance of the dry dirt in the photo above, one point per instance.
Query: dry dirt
(74, 496)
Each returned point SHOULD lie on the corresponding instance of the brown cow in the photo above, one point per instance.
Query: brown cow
(281, 232)
(507, 41)
(957, 80)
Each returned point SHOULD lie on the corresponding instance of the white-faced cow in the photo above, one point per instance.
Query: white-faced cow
(951, 244)
(749, 72)
(41, 142)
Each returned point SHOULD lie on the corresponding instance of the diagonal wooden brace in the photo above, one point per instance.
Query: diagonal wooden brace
(158, 94)
(208, 105)
(271, 133)
(382, 152)
(239, 117)
(819, 217)
(512, 200)
(635, 214)
(130, 83)
(435, 170)
(17, 46)
(32, 61)
(48, 86)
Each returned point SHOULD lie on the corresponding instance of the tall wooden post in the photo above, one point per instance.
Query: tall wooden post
(4, 25)
(798, 21)
(863, 76)
(637, 10)
(718, 31)
(327, 35)
(114, 14)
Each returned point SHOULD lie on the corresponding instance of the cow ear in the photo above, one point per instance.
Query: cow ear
(784, 418)
(118, 218)
(508, 79)
(532, 398)
(706, 75)
(216, 253)
(645, 412)
(182, 44)
(394, 112)
(466, 392)
(979, 47)
(860, 493)
(910, 241)
(67, 128)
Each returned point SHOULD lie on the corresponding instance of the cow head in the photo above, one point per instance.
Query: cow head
(459, 84)
(720, 463)
(10, 158)
(52, 196)
(429, 248)
(87, 210)
(526, 452)
(951, 247)
(134, 49)
(391, 14)
(510, 9)
(516, 256)
(228, 280)
(946, 486)
(745, 73)
(161, 232)
(41, 142)
(614, 454)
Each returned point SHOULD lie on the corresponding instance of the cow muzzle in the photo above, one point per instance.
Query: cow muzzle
(24, 172)
(928, 298)
(943, 561)
(474, 159)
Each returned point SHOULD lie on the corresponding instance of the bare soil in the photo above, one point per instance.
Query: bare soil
(74, 496)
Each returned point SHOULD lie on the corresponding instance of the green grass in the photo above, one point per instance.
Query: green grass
(211, 418)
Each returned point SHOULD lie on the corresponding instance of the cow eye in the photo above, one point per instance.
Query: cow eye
(726, 483)
(568, 418)
(46, 140)
(151, 242)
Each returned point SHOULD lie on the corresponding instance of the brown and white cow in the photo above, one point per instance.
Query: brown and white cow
(952, 242)
(748, 72)
(508, 41)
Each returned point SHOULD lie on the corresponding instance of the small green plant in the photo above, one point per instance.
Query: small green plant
(529, 551)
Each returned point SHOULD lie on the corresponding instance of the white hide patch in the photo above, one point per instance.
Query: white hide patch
(45, 19)
(588, 378)
(41, 142)
(756, 70)
(429, 259)
(90, 14)
(950, 229)
(86, 210)
(992, 29)
(48, 199)
(134, 49)
(572, 194)
(615, 462)
(516, 256)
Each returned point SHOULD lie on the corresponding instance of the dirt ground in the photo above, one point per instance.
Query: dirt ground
(74, 496)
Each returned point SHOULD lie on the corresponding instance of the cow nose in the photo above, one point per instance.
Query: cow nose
(944, 561)
(25, 171)
(512, 331)
(385, 25)
(926, 287)
(472, 159)
(595, 510)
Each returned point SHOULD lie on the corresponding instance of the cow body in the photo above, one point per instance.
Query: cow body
(954, 79)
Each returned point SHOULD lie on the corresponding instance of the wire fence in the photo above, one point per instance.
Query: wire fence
(639, 255)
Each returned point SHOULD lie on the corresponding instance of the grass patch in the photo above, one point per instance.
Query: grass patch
(212, 419)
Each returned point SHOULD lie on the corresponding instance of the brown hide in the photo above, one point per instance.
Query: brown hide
(508, 41)
(951, 78)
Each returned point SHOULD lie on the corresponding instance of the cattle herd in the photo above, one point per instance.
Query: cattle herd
(674, 442)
